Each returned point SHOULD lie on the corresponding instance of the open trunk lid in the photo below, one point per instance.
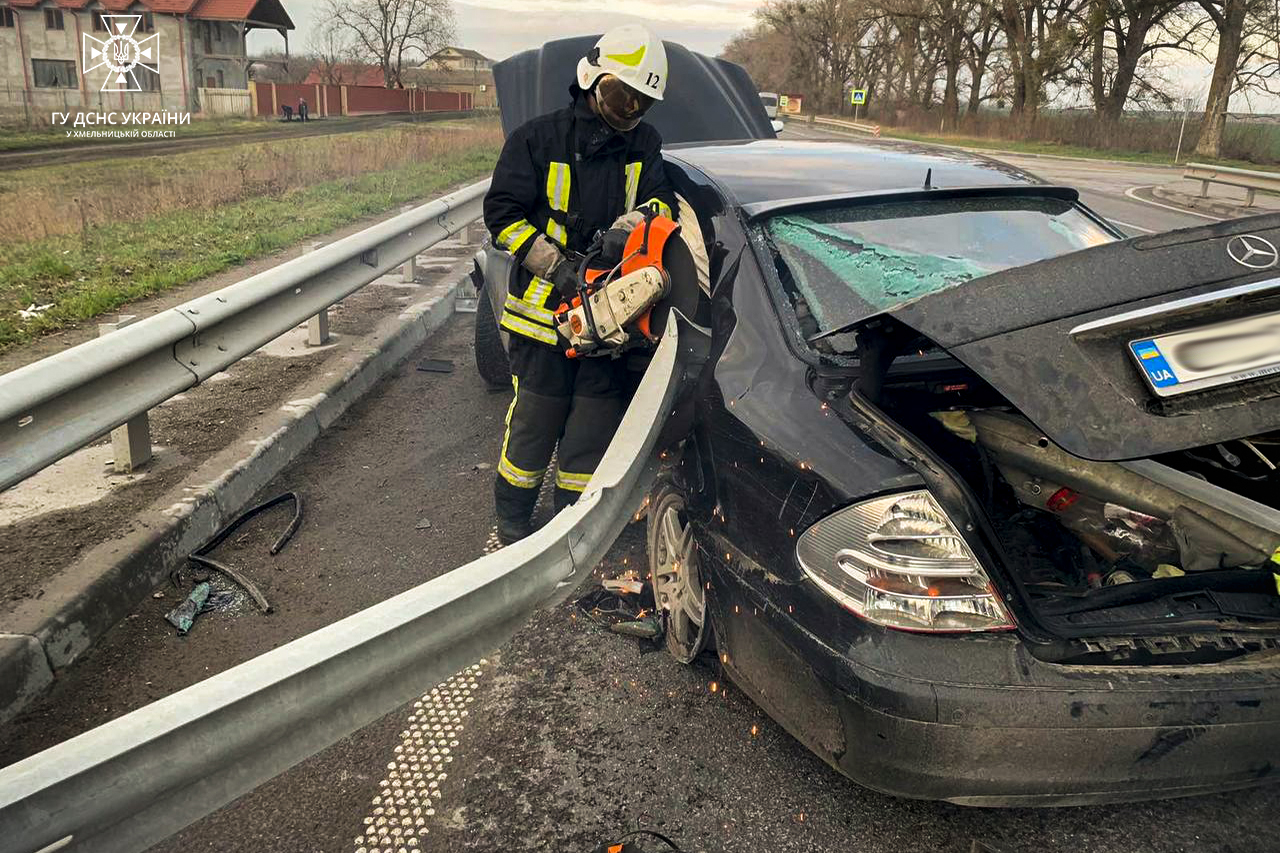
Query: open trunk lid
(1132, 349)
(708, 100)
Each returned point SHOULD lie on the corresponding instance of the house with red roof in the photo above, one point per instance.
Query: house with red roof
(126, 55)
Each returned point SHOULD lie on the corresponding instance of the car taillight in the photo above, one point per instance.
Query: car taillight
(898, 561)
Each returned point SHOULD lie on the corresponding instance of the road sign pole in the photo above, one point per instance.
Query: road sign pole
(855, 112)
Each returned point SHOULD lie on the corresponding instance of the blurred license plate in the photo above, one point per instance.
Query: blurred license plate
(1210, 356)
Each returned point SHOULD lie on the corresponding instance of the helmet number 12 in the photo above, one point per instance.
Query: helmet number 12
(652, 82)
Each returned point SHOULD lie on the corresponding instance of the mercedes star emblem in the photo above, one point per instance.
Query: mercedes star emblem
(1250, 250)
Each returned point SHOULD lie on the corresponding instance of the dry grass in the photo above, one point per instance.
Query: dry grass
(1251, 143)
(63, 200)
(201, 214)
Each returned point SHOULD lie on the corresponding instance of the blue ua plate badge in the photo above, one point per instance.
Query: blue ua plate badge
(1153, 363)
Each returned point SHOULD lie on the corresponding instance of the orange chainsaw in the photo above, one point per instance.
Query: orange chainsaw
(614, 308)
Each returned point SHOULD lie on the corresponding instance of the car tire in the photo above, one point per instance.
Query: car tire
(491, 356)
(679, 592)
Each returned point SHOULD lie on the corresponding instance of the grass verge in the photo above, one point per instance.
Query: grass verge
(1058, 150)
(83, 275)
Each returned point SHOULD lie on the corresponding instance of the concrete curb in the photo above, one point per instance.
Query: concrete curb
(82, 602)
(1219, 208)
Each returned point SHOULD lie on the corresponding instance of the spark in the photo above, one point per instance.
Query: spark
(715, 686)
(724, 658)
(790, 609)
(755, 730)
(735, 608)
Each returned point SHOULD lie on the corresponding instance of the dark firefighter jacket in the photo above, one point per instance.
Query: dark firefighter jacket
(567, 175)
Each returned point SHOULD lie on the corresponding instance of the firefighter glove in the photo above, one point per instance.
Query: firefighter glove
(565, 279)
(613, 245)
(542, 257)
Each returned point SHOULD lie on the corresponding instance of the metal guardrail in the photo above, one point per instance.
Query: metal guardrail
(1251, 180)
(859, 127)
(138, 779)
(61, 403)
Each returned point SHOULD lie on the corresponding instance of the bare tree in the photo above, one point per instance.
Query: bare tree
(393, 33)
(826, 36)
(767, 55)
(1124, 36)
(1044, 38)
(1243, 28)
(981, 41)
(333, 58)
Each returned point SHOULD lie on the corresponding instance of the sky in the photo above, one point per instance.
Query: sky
(499, 28)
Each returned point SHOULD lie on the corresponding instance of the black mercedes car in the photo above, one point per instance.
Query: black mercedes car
(975, 497)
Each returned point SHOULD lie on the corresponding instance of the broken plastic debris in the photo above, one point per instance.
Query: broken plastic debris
(1164, 570)
(628, 586)
(33, 310)
(182, 616)
(423, 524)
(647, 628)
(435, 365)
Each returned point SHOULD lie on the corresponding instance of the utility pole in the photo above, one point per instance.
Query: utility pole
(1186, 108)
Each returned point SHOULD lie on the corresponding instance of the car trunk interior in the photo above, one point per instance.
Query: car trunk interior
(1165, 559)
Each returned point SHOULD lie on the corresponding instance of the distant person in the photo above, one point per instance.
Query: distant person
(288, 112)
(302, 109)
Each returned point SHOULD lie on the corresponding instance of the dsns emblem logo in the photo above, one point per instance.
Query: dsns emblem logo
(127, 59)
(1250, 250)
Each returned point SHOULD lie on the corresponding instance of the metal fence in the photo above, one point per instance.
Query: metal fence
(129, 783)
(136, 780)
(61, 403)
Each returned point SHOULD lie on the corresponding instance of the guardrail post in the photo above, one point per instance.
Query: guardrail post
(317, 326)
(409, 269)
(1204, 189)
(1248, 196)
(130, 443)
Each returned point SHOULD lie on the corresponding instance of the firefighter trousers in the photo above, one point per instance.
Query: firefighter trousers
(573, 403)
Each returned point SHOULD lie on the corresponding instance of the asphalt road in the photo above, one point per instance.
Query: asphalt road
(1107, 187)
(569, 735)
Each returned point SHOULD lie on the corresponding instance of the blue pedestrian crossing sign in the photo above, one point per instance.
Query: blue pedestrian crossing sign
(858, 96)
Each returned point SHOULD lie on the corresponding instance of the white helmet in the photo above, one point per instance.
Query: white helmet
(631, 54)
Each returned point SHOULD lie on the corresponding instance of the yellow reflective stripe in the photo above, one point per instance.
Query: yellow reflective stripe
(572, 482)
(512, 473)
(633, 184)
(663, 210)
(558, 181)
(631, 60)
(516, 235)
(558, 186)
(557, 232)
(541, 315)
(528, 328)
(537, 292)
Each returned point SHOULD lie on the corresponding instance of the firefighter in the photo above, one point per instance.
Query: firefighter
(590, 167)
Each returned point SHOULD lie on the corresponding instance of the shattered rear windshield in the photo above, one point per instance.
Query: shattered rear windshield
(851, 262)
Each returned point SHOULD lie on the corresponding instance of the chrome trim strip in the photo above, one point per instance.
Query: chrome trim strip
(1166, 307)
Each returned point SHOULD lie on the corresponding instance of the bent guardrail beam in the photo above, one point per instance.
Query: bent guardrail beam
(61, 403)
(136, 780)
(1249, 179)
